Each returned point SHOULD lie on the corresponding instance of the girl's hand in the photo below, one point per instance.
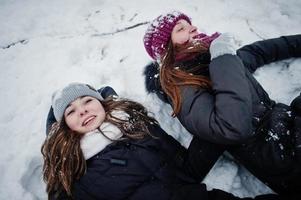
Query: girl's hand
(224, 44)
(206, 39)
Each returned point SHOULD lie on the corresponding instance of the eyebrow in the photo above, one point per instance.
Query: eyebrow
(71, 102)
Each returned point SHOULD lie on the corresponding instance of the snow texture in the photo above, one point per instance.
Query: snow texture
(45, 45)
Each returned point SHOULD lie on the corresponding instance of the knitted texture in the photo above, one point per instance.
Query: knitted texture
(159, 31)
(224, 44)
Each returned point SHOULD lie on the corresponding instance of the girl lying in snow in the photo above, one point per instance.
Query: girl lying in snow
(213, 93)
(102, 147)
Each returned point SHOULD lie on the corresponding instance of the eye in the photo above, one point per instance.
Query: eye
(88, 100)
(69, 112)
(180, 29)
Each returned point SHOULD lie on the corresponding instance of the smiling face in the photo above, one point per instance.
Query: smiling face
(84, 114)
(183, 32)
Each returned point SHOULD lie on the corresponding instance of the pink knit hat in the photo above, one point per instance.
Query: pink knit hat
(159, 32)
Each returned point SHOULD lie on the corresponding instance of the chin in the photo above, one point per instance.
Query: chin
(90, 129)
(87, 130)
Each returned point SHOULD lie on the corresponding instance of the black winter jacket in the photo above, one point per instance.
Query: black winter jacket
(145, 169)
(239, 112)
(134, 169)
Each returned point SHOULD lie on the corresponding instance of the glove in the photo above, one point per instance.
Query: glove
(206, 39)
(224, 44)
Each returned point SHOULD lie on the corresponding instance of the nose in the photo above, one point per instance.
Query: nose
(83, 111)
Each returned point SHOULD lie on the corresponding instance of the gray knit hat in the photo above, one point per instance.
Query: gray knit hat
(63, 97)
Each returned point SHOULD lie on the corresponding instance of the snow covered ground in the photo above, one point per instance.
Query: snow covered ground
(47, 44)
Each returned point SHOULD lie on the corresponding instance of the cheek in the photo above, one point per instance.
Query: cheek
(72, 123)
(99, 110)
(102, 113)
(179, 38)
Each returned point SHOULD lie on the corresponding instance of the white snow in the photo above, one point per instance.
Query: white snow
(45, 45)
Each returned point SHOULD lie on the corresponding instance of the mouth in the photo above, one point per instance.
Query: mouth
(199, 36)
(88, 120)
(186, 42)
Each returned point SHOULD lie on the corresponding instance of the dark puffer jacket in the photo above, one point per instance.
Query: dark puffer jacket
(135, 169)
(237, 111)
(145, 169)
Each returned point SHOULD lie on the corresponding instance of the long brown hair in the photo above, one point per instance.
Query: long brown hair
(63, 159)
(172, 76)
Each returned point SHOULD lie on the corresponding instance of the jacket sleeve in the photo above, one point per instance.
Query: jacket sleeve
(200, 191)
(264, 52)
(222, 115)
(104, 91)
